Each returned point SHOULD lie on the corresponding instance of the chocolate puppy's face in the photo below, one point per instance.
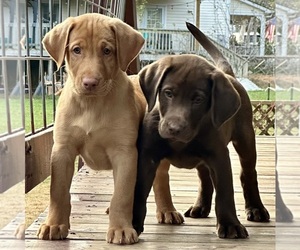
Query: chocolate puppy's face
(189, 88)
(184, 99)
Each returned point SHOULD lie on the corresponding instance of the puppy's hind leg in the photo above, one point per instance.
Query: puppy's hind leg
(202, 205)
(246, 149)
(165, 210)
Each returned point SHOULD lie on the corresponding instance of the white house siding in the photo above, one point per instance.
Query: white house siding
(215, 20)
(247, 8)
(176, 13)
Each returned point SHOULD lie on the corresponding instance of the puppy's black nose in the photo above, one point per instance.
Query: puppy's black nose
(90, 83)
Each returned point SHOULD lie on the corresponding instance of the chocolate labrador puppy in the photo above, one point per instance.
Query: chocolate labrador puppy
(195, 109)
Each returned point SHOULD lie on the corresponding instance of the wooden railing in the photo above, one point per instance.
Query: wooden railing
(238, 63)
(166, 41)
(246, 51)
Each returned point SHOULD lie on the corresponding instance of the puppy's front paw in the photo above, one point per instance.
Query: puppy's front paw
(258, 214)
(53, 232)
(20, 232)
(139, 227)
(232, 231)
(169, 217)
(197, 212)
(122, 236)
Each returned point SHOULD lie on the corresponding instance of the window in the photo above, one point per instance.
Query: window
(154, 18)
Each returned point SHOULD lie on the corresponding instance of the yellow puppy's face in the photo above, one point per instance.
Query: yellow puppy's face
(91, 57)
(95, 48)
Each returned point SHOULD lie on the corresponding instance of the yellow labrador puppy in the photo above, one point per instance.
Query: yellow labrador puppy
(98, 117)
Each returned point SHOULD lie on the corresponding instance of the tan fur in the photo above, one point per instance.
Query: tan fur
(165, 210)
(100, 123)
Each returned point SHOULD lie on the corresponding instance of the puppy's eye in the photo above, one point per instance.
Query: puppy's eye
(168, 93)
(77, 50)
(198, 100)
(106, 51)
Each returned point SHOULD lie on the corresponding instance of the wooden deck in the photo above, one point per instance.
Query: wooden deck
(91, 193)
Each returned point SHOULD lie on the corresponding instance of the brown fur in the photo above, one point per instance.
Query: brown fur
(98, 117)
(195, 109)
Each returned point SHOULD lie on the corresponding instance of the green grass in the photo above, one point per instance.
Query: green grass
(274, 96)
(16, 114)
(261, 95)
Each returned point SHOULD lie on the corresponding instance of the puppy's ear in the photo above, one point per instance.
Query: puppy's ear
(225, 99)
(56, 40)
(151, 78)
(129, 43)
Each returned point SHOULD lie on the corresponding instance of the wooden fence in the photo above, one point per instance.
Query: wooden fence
(276, 118)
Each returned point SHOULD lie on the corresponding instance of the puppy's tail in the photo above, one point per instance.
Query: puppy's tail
(212, 50)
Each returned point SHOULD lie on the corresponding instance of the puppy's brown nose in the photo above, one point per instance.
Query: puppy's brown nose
(90, 83)
(174, 128)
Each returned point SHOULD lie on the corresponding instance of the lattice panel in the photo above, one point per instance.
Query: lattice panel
(280, 118)
(264, 118)
(287, 118)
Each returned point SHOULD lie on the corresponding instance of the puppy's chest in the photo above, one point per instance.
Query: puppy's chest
(97, 136)
(94, 131)
(183, 160)
(186, 156)
(89, 121)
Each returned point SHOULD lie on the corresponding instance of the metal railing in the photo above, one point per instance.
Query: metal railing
(12, 111)
(12, 69)
(28, 77)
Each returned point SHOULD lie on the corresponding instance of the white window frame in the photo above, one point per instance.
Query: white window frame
(145, 16)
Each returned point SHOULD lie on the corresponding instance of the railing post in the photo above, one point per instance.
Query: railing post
(130, 18)
(196, 45)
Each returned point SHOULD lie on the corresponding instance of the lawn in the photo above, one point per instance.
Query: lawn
(272, 95)
(37, 104)
(16, 114)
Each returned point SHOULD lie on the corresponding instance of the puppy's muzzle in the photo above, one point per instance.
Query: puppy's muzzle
(90, 83)
(174, 128)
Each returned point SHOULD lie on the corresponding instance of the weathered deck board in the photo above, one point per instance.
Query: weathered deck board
(91, 193)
